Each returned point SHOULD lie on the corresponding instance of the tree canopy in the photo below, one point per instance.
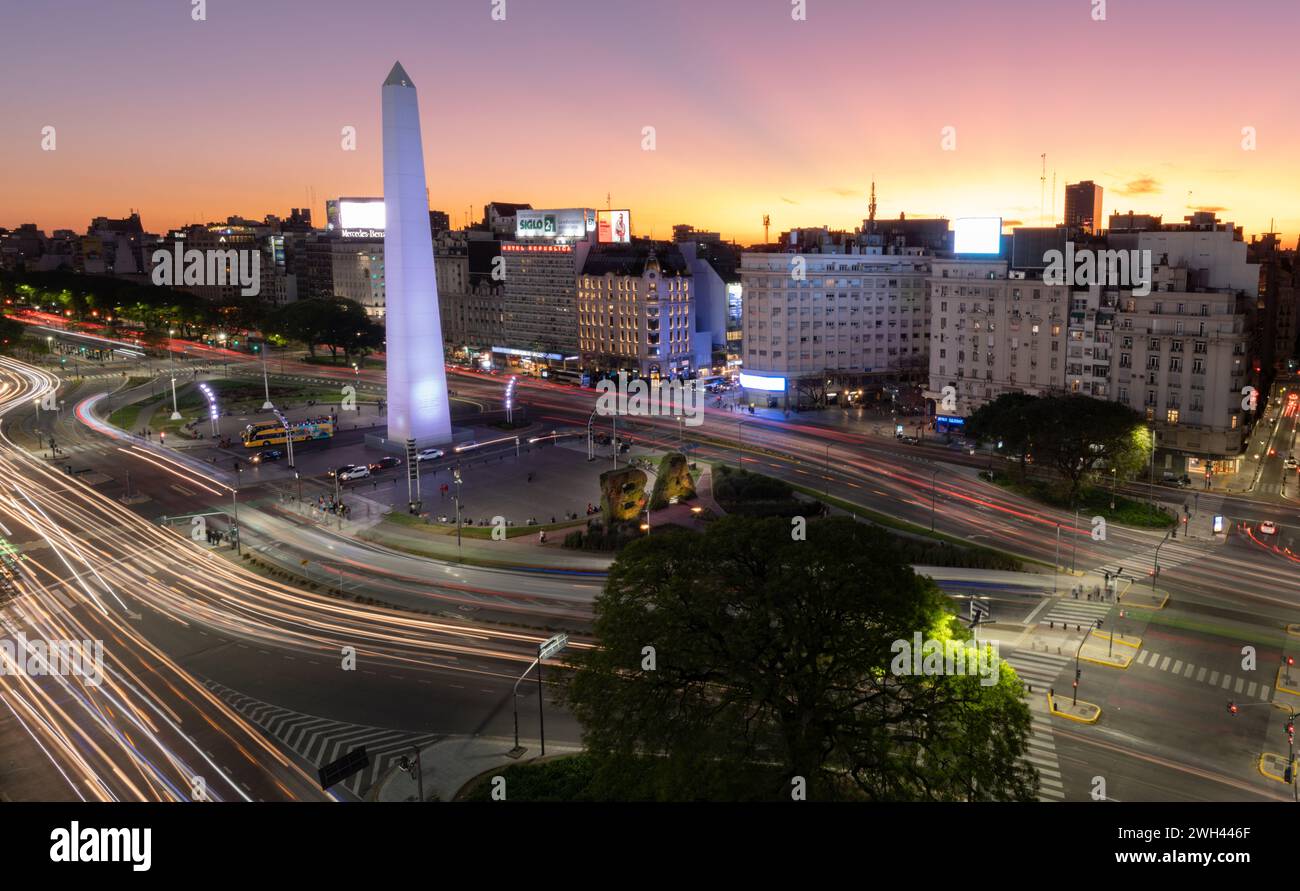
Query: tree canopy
(772, 661)
(1073, 434)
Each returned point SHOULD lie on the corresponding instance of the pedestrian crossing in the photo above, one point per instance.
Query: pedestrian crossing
(1081, 612)
(320, 740)
(1038, 672)
(1234, 685)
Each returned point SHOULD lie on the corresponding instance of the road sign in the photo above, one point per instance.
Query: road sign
(979, 611)
(338, 771)
(552, 646)
(1218, 523)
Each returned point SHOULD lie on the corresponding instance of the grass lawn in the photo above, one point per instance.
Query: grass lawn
(483, 533)
(1093, 501)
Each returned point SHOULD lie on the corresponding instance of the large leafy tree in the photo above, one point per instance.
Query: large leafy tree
(1074, 435)
(1006, 420)
(772, 660)
(338, 323)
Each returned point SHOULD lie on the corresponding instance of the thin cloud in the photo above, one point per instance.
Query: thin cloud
(1144, 185)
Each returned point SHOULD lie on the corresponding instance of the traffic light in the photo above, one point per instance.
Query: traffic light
(1288, 661)
(1232, 708)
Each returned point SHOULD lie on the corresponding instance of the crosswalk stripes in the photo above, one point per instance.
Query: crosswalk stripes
(1189, 671)
(1039, 671)
(320, 740)
(1076, 612)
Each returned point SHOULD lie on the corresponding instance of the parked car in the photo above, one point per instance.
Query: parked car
(385, 463)
(1291, 462)
(429, 454)
(359, 472)
(267, 455)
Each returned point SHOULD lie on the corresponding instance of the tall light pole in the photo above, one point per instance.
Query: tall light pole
(934, 474)
(176, 412)
(266, 383)
(1056, 564)
(591, 443)
(455, 476)
(1114, 484)
(1155, 568)
(234, 502)
(1074, 546)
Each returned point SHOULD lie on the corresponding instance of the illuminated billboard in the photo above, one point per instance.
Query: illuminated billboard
(613, 226)
(977, 235)
(361, 217)
(762, 382)
(567, 223)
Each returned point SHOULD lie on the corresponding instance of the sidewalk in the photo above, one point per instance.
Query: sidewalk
(450, 763)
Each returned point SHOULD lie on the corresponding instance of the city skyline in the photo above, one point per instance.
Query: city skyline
(734, 139)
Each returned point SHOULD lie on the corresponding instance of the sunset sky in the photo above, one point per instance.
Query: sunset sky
(754, 112)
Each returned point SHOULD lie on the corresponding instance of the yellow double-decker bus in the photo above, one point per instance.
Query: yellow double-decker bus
(273, 433)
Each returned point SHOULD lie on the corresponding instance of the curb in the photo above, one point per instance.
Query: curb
(1051, 707)
(1274, 776)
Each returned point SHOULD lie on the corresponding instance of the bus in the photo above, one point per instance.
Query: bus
(267, 433)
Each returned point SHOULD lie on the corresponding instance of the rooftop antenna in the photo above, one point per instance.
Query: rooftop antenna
(767, 221)
(1042, 189)
(608, 206)
(1053, 196)
(871, 208)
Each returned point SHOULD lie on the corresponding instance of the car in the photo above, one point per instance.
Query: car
(467, 445)
(385, 463)
(1268, 527)
(267, 455)
(339, 471)
(429, 454)
(359, 472)
(1291, 462)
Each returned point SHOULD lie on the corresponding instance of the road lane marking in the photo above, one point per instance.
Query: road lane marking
(1164, 665)
(1241, 682)
(1177, 666)
(1214, 678)
(1200, 675)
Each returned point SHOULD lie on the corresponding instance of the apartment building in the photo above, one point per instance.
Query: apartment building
(826, 319)
(636, 311)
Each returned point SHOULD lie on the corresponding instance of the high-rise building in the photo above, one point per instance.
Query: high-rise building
(541, 266)
(1083, 206)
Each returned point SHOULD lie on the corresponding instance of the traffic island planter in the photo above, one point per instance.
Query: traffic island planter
(1273, 766)
(1083, 712)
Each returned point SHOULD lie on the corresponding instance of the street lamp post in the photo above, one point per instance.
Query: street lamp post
(934, 474)
(1077, 673)
(1155, 568)
(234, 502)
(266, 383)
(176, 412)
(1056, 564)
(457, 480)
(1114, 483)
(1074, 547)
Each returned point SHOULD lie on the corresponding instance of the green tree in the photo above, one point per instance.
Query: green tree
(1005, 420)
(1076, 435)
(773, 661)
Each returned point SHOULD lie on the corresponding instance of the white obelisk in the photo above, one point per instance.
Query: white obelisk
(417, 381)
